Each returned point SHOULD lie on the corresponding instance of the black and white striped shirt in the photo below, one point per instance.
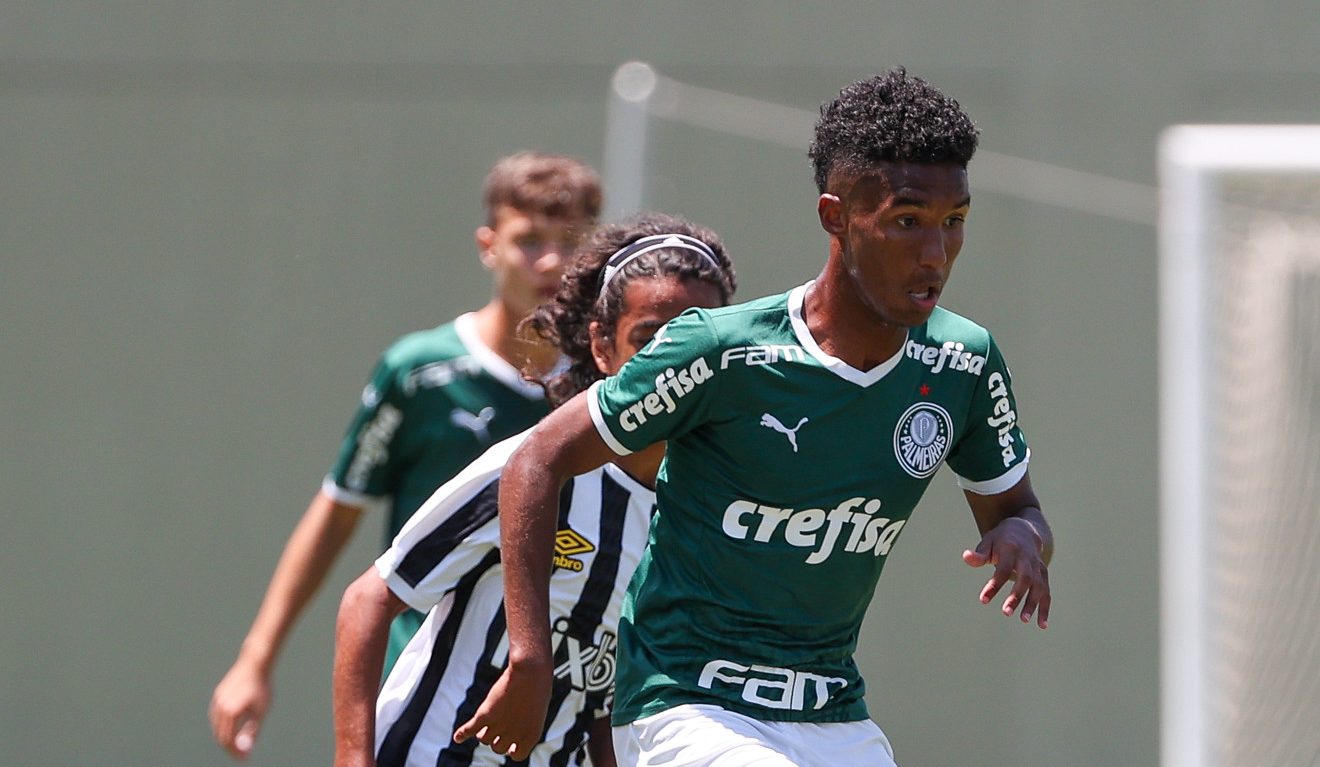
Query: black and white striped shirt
(446, 560)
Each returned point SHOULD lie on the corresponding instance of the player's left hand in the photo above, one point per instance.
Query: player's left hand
(1016, 550)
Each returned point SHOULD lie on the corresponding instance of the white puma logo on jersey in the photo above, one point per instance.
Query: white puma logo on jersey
(660, 337)
(771, 422)
(474, 423)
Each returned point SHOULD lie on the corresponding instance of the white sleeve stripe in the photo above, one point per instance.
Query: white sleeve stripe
(598, 418)
(999, 484)
(346, 496)
(441, 574)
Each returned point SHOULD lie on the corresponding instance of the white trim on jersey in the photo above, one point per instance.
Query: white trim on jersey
(999, 484)
(348, 497)
(863, 378)
(499, 368)
(446, 560)
(598, 418)
(449, 499)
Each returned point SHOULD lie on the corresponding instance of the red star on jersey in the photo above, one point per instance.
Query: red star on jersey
(925, 390)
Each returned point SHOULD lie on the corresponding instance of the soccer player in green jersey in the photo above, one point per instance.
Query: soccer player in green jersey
(802, 429)
(436, 400)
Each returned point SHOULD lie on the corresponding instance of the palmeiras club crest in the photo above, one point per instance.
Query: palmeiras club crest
(922, 439)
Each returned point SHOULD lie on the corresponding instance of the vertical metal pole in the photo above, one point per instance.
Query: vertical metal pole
(626, 127)
(1184, 439)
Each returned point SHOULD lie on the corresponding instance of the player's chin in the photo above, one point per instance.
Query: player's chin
(913, 317)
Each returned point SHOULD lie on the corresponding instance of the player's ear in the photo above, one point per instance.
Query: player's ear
(600, 349)
(485, 237)
(830, 210)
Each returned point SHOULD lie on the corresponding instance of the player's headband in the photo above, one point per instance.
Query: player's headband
(645, 245)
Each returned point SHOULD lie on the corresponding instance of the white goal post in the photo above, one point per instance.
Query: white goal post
(1239, 236)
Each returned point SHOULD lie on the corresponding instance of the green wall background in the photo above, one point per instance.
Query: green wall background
(214, 216)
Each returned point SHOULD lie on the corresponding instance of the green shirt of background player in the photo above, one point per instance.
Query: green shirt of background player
(891, 158)
(437, 399)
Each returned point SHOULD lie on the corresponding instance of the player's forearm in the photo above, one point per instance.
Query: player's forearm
(361, 636)
(529, 494)
(316, 542)
(1014, 506)
(563, 445)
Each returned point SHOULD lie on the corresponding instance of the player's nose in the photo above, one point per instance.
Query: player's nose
(552, 259)
(935, 249)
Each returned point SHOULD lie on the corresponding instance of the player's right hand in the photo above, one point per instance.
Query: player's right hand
(238, 707)
(1015, 550)
(512, 717)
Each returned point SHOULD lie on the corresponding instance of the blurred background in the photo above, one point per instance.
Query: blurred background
(214, 216)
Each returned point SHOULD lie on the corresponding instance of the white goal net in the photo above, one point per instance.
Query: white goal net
(1240, 446)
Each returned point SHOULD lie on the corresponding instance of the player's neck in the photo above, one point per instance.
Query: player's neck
(844, 328)
(643, 465)
(497, 327)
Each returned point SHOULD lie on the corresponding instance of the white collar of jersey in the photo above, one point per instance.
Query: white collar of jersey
(847, 372)
(499, 368)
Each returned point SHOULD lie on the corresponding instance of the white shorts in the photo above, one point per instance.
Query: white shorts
(705, 736)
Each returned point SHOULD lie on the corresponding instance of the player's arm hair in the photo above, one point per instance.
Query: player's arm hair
(563, 445)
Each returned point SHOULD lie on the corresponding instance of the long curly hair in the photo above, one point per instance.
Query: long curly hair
(565, 320)
(894, 117)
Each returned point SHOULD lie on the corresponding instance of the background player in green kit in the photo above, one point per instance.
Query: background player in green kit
(802, 429)
(436, 400)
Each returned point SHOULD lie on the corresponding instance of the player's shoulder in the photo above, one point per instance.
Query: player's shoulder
(426, 360)
(741, 322)
(945, 326)
(492, 462)
(754, 310)
(423, 347)
(479, 479)
(485, 468)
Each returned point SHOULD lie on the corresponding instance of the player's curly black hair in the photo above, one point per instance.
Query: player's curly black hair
(565, 320)
(894, 117)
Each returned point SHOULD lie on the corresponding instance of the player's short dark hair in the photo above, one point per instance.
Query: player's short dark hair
(565, 321)
(894, 117)
(551, 185)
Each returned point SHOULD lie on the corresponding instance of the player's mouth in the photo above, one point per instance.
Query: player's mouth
(925, 296)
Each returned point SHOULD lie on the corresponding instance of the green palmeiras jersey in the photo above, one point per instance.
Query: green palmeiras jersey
(788, 479)
(436, 400)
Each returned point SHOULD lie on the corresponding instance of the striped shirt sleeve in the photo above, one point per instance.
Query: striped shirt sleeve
(450, 534)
